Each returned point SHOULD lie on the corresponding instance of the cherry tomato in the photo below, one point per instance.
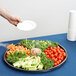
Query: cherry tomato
(47, 56)
(54, 47)
(56, 54)
(52, 55)
(57, 50)
(59, 61)
(49, 50)
(59, 57)
(57, 47)
(61, 50)
(55, 60)
(54, 50)
(62, 58)
(64, 54)
(50, 47)
(55, 64)
(45, 50)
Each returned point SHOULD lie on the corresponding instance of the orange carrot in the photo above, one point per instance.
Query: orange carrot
(14, 48)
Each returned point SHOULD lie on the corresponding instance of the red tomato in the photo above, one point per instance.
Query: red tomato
(59, 57)
(47, 56)
(54, 47)
(54, 51)
(52, 55)
(45, 50)
(46, 53)
(57, 47)
(62, 58)
(51, 52)
(59, 61)
(55, 60)
(61, 50)
(64, 54)
(50, 47)
(56, 54)
(57, 50)
(55, 64)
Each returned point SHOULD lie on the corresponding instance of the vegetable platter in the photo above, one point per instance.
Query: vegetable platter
(35, 55)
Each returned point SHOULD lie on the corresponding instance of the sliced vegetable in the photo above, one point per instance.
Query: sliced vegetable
(29, 63)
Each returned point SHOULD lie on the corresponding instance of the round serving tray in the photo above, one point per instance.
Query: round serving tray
(55, 67)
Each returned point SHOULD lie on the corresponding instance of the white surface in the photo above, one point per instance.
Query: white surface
(27, 25)
(72, 26)
(50, 15)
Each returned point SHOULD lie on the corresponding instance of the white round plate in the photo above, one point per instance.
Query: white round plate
(26, 25)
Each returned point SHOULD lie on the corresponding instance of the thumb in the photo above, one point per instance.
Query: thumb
(18, 19)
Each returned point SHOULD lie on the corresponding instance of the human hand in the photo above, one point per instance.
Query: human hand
(14, 19)
(11, 18)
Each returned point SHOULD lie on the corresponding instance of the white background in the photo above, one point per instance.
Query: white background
(51, 17)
